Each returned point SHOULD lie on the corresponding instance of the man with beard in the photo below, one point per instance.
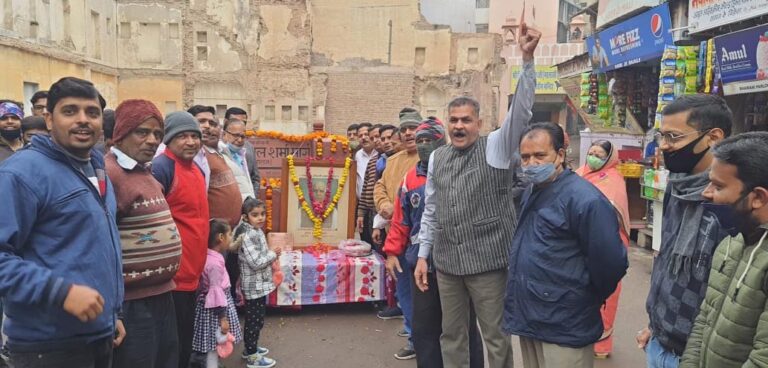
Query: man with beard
(469, 219)
(690, 126)
(149, 239)
(730, 328)
(60, 257)
(10, 129)
(185, 191)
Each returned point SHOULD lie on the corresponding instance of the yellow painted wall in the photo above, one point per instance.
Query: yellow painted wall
(156, 89)
(21, 66)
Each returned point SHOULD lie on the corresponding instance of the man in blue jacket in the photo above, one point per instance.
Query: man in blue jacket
(60, 255)
(566, 258)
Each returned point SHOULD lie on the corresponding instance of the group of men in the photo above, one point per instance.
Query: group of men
(101, 253)
(81, 287)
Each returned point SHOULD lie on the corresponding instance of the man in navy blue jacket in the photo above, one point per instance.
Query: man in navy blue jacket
(566, 258)
(60, 256)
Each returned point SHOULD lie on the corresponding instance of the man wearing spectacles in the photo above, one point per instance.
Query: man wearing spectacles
(236, 113)
(690, 126)
(39, 100)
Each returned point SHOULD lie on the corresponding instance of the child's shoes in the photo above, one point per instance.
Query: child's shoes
(260, 361)
(259, 351)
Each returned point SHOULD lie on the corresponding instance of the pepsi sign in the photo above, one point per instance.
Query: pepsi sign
(638, 39)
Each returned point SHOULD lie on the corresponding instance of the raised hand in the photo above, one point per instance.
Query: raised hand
(528, 40)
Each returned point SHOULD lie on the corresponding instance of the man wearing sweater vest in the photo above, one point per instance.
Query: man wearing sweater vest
(469, 219)
(149, 239)
(185, 191)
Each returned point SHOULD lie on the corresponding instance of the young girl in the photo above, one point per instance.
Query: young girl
(215, 309)
(256, 261)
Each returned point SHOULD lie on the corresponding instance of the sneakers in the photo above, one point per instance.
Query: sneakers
(405, 353)
(260, 361)
(390, 313)
(260, 351)
(402, 333)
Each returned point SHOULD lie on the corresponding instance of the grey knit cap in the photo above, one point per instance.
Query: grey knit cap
(179, 122)
(409, 118)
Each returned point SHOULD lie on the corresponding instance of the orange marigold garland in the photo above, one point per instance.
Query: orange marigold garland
(319, 148)
(317, 221)
(268, 202)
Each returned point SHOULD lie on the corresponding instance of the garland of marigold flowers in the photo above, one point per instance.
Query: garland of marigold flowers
(317, 231)
(268, 202)
(300, 138)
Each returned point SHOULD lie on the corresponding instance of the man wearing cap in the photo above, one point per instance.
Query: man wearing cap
(469, 218)
(10, 129)
(149, 239)
(185, 192)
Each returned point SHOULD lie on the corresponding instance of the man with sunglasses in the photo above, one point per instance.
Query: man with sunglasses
(690, 126)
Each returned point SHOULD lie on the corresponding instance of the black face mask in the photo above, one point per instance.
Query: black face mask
(10, 135)
(684, 159)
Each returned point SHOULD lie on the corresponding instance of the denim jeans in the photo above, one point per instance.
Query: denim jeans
(657, 357)
(151, 339)
(404, 297)
(94, 355)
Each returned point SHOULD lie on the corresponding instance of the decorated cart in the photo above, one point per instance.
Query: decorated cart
(307, 187)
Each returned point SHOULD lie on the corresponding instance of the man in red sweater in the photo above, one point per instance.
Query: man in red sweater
(184, 188)
(149, 238)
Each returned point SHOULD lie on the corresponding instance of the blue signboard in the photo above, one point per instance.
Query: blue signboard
(638, 39)
(743, 58)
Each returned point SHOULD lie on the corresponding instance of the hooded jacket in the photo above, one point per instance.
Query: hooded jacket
(730, 330)
(57, 230)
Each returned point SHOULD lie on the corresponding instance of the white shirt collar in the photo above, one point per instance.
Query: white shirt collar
(125, 161)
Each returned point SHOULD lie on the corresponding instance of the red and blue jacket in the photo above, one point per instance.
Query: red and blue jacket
(403, 235)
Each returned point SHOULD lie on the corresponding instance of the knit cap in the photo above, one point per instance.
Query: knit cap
(431, 128)
(10, 108)
(132, 113)
(409, 117)
(179, 122)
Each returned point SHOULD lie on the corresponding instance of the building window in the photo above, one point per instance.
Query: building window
(109, 26)
(96, 29)
(472, 55)
(33, 29)
(202, 37)
(173, 30)
(287, 113)
(269, 113)
(221, 111)
(125, 30)
(482, 4)
(304, 113)
(481, 28)
(202, 53)
(170, 106)
(420, 56)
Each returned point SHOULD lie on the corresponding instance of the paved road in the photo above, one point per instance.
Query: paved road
(350, 336)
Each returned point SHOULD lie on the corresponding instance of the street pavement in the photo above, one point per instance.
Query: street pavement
(350, 336)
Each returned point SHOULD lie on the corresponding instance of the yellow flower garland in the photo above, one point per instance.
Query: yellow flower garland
(317, 231)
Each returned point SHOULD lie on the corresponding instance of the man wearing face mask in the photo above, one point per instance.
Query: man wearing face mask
(469, 218)
(10, 129)
(729, 329)
(690, 126)
(567, 257)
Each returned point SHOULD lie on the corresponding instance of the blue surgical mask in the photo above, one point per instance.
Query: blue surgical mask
(538, 174)
(233, 148)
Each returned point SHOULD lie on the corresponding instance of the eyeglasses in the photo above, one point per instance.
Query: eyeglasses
(237, 136)
(38, 107)
(672, 138)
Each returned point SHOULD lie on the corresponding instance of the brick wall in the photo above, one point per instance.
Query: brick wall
(355, 97)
